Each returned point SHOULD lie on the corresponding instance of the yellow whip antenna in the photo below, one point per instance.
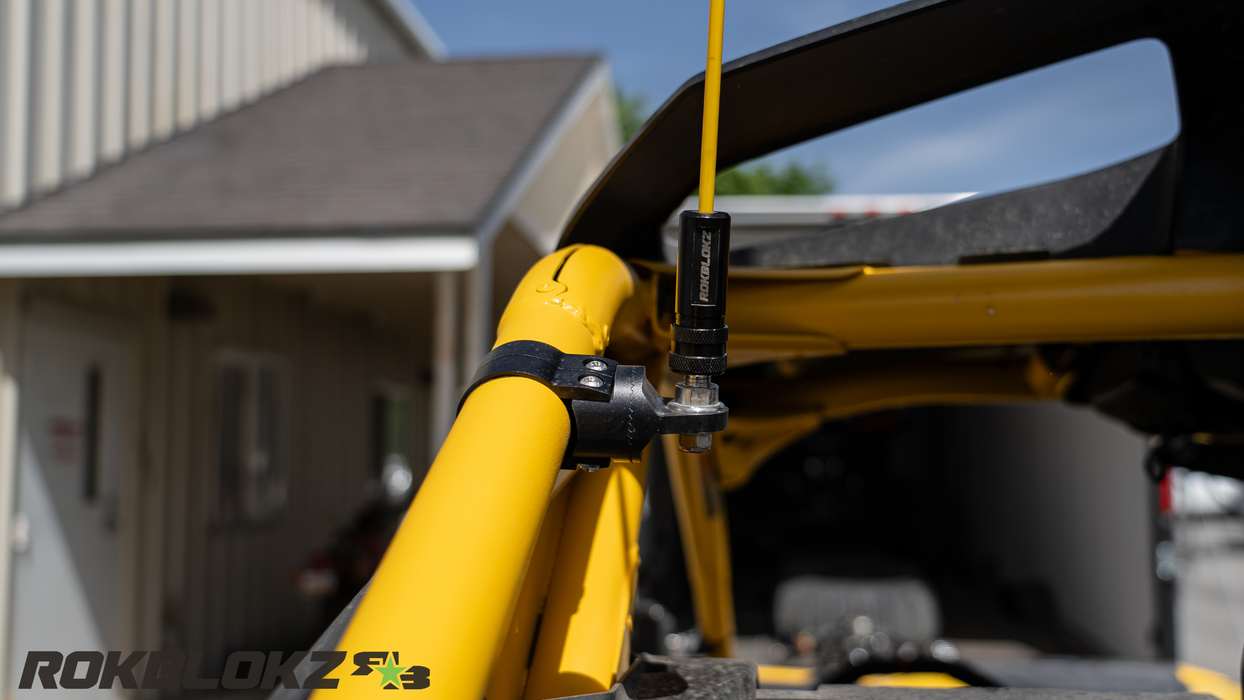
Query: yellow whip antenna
(698, 334)
(712, 106)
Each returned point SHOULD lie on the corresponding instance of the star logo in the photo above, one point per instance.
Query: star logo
(390, 673)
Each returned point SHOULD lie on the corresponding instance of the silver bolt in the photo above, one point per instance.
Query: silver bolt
(588, 467)
(592, 381)
(596, 365)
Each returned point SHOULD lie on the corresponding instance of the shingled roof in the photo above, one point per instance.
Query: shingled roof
(382, 149)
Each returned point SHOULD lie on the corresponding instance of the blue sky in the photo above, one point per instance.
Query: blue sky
(1052, 123)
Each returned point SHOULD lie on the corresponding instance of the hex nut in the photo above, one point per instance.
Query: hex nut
(695, 442)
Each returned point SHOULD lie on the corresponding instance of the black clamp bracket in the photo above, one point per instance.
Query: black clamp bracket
(614, 410)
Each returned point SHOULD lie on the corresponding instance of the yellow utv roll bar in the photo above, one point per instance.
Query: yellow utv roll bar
(446, 589)
(456, 592)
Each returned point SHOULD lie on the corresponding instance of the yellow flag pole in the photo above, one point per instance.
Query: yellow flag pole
(712, 105)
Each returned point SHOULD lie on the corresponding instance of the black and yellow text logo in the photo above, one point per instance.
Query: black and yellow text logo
(244, 670)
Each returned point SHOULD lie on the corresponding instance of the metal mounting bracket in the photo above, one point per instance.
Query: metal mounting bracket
(614, 410)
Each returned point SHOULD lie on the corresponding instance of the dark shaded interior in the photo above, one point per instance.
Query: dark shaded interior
(876, 497)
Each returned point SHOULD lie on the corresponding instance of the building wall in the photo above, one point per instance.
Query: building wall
(194, 582)
(229, 586)
(1057, 495)
(83, 83)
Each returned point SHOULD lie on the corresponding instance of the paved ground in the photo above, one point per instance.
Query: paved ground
(1210, 592)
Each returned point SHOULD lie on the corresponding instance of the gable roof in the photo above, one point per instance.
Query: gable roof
(394, 149)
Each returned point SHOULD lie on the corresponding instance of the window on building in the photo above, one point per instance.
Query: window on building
(250, 427)
(391, 443)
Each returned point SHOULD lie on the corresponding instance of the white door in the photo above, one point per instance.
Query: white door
(73, 399)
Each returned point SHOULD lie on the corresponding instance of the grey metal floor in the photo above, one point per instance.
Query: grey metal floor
(1209, 607)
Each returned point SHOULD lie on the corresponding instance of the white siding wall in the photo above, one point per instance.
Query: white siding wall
(85, 82)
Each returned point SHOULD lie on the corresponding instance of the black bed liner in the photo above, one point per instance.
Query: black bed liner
(701, 678)
(1120, 210)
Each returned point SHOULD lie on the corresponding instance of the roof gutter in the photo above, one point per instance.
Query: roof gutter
(239, 257)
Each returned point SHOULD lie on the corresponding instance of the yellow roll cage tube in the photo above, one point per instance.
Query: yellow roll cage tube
(447, 592)
(508, 582)
(505, 588)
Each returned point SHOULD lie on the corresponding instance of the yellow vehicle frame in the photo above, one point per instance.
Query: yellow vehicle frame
(510, 580)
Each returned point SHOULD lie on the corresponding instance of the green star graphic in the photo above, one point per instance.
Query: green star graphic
(389, 673)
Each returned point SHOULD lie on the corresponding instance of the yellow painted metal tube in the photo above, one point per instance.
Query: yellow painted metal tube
(1203, 680)
(568, 300)
(448, 583)
(776, 313)
(509, 673)
(1058, 300)
(450, 580)
(706, 544)
(585, 632)
(712, 105)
